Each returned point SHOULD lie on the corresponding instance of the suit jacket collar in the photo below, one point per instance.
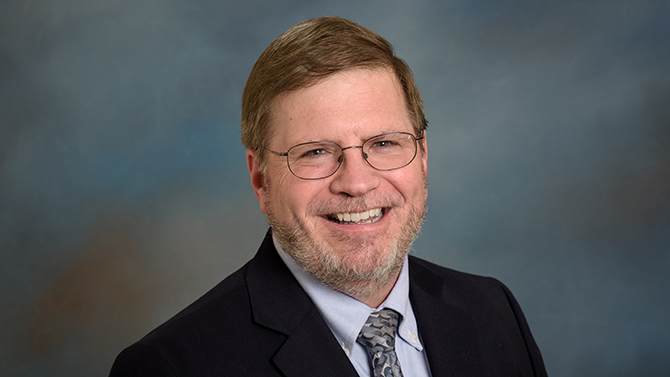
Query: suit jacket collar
(279, 303)
(447, 331)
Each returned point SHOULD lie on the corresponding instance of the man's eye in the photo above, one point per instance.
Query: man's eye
(314, 153)
(384, 144)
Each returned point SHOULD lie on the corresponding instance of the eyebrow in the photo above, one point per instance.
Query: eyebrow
(383, 132)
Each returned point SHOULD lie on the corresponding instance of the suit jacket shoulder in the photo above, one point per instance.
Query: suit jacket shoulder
(471, 325)
(256, 322)
(200, 340)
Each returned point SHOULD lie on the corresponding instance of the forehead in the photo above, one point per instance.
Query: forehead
(348, 106)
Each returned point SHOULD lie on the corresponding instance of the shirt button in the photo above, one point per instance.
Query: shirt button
(346, 350)
(414, 336)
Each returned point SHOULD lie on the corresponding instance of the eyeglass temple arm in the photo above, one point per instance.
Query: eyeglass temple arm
(281, 154)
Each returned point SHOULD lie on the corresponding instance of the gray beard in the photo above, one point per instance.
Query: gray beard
(338, 270)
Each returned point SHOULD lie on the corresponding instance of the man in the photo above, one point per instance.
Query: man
(336, 148)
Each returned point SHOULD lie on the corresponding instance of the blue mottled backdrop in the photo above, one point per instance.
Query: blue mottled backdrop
(124, 193)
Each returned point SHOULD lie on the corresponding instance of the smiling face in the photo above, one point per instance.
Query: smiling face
(353, 229)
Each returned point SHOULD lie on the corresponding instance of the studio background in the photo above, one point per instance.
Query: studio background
(124, 193)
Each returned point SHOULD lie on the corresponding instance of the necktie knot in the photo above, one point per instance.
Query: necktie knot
(378, 337)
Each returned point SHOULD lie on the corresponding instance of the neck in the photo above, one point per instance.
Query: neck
(375, 299)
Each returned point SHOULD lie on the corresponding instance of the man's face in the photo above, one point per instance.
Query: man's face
(356, 257)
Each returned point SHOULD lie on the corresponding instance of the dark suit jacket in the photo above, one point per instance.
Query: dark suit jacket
(260, 322)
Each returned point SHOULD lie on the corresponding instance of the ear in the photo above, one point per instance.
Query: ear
(257, 179)
(424, 157)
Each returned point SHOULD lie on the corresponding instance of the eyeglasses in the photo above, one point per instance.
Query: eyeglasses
(321, 159)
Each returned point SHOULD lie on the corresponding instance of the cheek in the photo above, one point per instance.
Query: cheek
(287, 196)
(410, 183)
(277, 178)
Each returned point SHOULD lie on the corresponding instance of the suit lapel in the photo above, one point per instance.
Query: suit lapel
(447, 332)
(312, 350)
(279, 303)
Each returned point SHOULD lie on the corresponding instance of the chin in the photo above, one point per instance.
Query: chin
(355, 263)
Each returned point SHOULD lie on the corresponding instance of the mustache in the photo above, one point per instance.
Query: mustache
(354, 204)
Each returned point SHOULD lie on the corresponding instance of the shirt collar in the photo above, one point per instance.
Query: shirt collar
(345, 315)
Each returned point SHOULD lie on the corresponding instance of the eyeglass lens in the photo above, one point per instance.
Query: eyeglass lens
(317, 160)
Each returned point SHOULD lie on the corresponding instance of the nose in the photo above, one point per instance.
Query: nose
(354, 177)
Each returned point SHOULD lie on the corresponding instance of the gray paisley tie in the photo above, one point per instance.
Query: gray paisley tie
(378, 336)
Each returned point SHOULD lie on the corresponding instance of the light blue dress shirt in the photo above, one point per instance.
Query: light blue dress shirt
(346, 316)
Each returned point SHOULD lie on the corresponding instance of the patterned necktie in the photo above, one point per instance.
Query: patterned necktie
(378, 336)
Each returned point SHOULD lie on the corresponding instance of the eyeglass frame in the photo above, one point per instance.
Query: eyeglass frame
(341, 159)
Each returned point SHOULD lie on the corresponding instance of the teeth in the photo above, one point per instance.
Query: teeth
(371, 216)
